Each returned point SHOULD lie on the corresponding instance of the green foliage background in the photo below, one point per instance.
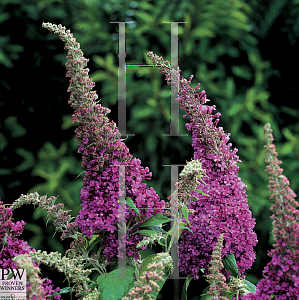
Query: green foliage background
(227, 46)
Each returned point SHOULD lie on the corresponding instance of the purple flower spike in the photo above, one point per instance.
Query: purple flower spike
(103, 151)
(226, 211)
(281, 275)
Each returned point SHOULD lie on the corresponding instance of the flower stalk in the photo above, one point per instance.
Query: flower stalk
(226, 211)
(215, 278)
(281, 274)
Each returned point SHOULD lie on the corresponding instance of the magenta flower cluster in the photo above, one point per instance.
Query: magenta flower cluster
(102, 153)
(226, 211)
(11, 246)
(100, 206)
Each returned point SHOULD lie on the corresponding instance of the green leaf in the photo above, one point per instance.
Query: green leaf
(10, 275)
(201, 32)
(57, 230)
(140, 112)
(253, 59)
(99, 251)
(230, 265)
(250, 286)
(242, 72)
(250, 99)
(151, 142)
(62, 291)
(99, 60)
(97, 240)
(93, 238)
(230, 87)
(99, 76)
(131, 204)
(111, 287)
(156, 228)
(155, 220)
(151, 230)
(185, 287)
(184, 227)
(148, 18)
(199, 191)
(146, 232)
(185, 213)
(234, 110)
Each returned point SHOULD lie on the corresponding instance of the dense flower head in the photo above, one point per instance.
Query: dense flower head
(11, 246)
(226, 211)
(281, 275)
(100, 196)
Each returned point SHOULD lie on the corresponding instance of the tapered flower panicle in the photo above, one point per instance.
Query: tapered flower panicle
(99, 137)
(103, 153)
(281, 275)
(62, 218)
(226, 211)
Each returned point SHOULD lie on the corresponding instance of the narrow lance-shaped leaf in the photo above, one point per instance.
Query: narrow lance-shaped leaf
(155, 220)
(131, 204)
(230, 265)
(62, 291)
(185, 287)
(250, 286)
(199, 191)
(185, 213)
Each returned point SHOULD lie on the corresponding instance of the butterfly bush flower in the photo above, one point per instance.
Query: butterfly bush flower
(215, 278)
(62, 218)
(11, 246)
(226, 211)
(218, 286)
(103, 152)
(281, 275)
